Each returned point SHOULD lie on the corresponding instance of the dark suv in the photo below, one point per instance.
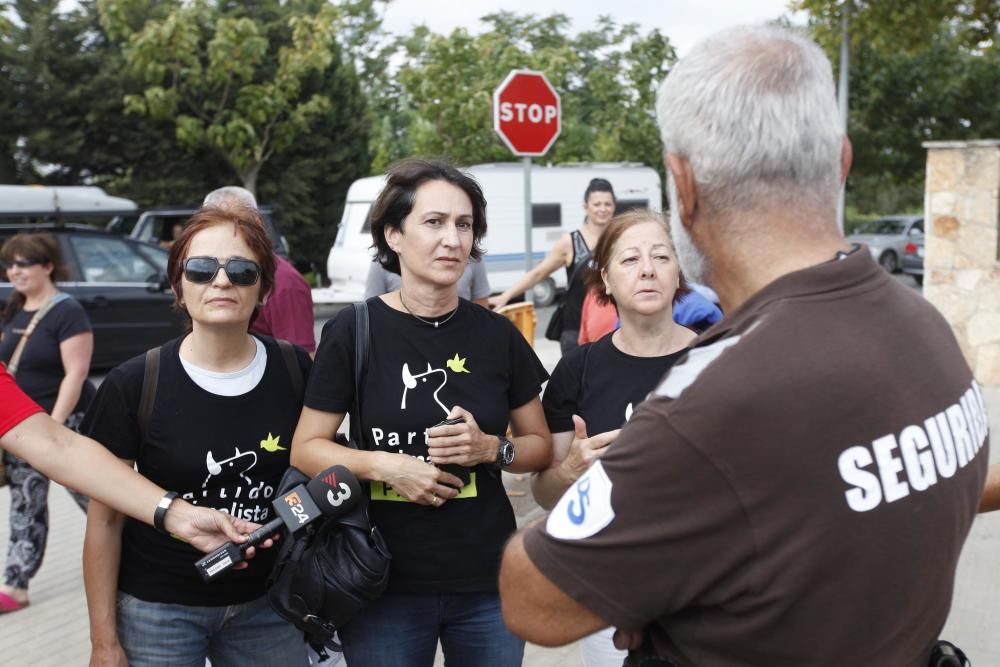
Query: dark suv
(121, 284)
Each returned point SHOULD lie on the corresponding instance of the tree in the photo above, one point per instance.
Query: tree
(226, 79)
(606, 77)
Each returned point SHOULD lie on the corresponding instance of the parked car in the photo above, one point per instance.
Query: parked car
(121, 284)
(886, 238)
(156, 225)
(913, 258)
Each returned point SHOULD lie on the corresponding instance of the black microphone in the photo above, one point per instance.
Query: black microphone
(333, 492)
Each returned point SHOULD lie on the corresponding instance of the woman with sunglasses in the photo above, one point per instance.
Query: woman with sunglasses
(218, 434)
(47, 344)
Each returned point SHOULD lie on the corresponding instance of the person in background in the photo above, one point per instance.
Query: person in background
(436, 491)
(571, 251)
(474, 285)
(47, 344)
(218, 434)
(287, 313)
(796, 466)
(595, 388)
(77, 461)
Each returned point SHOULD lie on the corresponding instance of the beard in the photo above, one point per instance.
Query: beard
(694, 264)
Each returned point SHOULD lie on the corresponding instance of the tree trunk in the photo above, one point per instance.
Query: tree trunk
(249, 177)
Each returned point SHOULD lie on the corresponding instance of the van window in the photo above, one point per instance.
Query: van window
(356, 217)
(546, 215)
(623, 205)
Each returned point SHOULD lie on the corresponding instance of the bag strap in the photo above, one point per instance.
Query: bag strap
(580, 249)
(292, 364)
(15, 358)
(150, 376)
(362, 340)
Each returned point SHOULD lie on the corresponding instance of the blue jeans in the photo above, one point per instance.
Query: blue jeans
(156, 634)
(403, 631)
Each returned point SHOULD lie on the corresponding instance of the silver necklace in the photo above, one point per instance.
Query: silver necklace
(434, 323)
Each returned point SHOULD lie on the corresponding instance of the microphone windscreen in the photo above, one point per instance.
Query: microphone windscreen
(336, 490)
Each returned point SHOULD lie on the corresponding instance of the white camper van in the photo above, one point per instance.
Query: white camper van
(557, 208)
(48, 202)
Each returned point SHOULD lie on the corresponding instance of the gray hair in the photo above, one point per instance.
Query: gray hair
(230, 194)
(753, 110)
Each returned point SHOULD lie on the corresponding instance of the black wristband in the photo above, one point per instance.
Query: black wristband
(160, 515)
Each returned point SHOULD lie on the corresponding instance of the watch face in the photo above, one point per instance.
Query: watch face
(506, 452)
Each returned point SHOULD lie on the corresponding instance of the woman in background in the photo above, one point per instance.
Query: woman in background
(571, 251)
(46, 344)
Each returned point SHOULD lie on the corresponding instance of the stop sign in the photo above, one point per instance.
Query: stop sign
(526, 112)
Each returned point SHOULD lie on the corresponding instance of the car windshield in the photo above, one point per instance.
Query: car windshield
(883, 226)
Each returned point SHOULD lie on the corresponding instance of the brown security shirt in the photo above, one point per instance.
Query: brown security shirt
(796, 491)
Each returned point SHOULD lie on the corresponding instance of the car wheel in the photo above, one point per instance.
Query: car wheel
(888, 261)
(544, 293)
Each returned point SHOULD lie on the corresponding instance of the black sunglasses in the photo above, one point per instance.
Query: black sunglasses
(240, 271)
(22, 263)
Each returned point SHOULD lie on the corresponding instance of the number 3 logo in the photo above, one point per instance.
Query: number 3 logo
(337, 499)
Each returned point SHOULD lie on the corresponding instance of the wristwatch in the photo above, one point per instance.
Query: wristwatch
(505, 453)
(160, 515)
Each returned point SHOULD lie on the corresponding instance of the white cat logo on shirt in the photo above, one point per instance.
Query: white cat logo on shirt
(585, 509)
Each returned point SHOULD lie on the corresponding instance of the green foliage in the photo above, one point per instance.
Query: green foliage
(441, 100)
(231, 82)
(920, 71)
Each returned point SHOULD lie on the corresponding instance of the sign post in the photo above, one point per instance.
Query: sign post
(527, 115)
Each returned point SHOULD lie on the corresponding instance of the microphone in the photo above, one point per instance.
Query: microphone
(332, 493)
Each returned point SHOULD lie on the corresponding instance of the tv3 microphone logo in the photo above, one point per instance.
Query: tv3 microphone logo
(343, 491)
(295, 504)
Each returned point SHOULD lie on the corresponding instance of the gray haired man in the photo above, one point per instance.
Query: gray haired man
(288, 311)
(797, 490)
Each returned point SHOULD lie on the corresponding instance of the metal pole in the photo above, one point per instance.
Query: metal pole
(845, 11)
(529, 263)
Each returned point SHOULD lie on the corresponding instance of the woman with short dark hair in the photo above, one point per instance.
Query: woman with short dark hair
(436, 491)
(571, 251)
(47, 344)
(226, 403)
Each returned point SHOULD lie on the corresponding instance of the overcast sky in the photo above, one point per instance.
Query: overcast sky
(683, 21)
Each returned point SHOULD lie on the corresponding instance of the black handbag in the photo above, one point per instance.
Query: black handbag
(556, 324)
(325, 575)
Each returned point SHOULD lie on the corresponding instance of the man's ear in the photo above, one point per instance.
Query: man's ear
(846, 157)
(687, 194)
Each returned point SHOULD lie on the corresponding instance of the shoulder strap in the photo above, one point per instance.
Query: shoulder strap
(361, 343)
(580, 249)
(15, 358)
(583, 373)
(150, 376)
(292, 364)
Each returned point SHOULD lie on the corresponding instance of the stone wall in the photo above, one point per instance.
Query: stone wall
(962, 254)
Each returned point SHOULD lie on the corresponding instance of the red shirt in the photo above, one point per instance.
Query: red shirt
(15, 407)
(288, 312)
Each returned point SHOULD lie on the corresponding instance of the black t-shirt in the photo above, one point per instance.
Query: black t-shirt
(602, 384)
(225, 452)
(40, 369)
(415, 375)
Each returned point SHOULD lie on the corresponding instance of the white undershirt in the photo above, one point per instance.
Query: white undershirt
(236, 383)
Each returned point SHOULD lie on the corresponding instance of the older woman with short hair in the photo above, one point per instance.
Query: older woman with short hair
(595, 388)
(433, 357)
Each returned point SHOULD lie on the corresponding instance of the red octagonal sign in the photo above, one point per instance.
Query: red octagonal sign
(526, 112)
